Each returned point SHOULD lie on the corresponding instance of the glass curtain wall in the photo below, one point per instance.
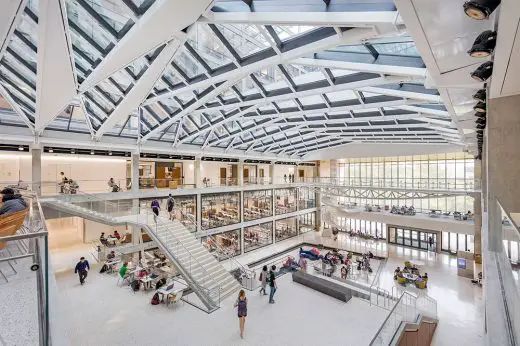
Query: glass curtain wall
(365, 227)
(453, 171)
(285, 228)
(258, 236)
(258, 204)
(220, 209)
(285, 201)
(307, 222)
(454, 242)
(419, 239)
(229, 242)
(512, 250)
(306, 199)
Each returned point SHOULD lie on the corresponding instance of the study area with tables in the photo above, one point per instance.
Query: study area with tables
(220, 209)
(257, 204)
(285, 201)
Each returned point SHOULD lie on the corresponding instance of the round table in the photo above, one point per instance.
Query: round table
(410, 277)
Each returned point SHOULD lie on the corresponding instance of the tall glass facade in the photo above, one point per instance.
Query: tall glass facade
(451, 171)
(364, 226)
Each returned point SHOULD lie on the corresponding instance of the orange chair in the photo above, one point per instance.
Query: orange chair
(10, 224)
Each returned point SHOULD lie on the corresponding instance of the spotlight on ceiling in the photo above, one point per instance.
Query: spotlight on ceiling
(484, 44)
(481, 126)
(480, 114)
(109, 153)
(92, 152)
(483, 72)
(480, 95)
(480, 107)
(20, 148)
(480, 121)
(72, 151)
(51, 150)
(480, 9)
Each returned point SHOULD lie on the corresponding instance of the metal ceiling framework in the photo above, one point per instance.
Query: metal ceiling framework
(270, 77)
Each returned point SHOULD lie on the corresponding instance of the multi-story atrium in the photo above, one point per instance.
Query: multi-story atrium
(157, 155)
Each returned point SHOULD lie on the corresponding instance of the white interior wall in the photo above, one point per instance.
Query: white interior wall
(325, 168)
(281, 170)
(211, 170)
(14, 167)
(188, 172)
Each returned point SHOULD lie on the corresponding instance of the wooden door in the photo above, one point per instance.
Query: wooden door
(301, 173)
(160, 175)
(261, 172)
(176, 175)
(246, 175)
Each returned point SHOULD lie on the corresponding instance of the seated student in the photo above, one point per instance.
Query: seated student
(415, 270)
(116, 234)
(397, 271)
(406, 270)
(344, 272)
(123, 270)
(12, 202)
(425, 276)
(111, 256)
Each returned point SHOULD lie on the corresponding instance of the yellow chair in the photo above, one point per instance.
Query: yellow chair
(407, 264)
(401, 280)
(421, 284)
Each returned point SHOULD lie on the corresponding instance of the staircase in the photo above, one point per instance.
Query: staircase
(201, 271)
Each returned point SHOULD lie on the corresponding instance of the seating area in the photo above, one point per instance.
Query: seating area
(10, 224)
(410, 274)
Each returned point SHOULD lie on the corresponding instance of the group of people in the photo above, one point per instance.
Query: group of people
(170, 207)
(67, 185)
(291, 178)
(410, 269)
(111, 239)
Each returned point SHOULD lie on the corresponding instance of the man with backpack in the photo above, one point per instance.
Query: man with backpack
(82, 268)
(272, 284)
(170, 205)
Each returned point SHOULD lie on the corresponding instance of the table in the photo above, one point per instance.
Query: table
(410, 277)
(147, 282)
(164, 292)
(111, 265)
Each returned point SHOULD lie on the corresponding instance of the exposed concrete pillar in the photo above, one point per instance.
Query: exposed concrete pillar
(240, 173)
(36, 154)
(137, 236)
(197, 174)
(503, 164)
(135, 172)
(317, 197)
(271, 172)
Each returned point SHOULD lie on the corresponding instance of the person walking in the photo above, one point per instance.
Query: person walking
(263, 280)
(82, 268)
(241, 305)
(430, 241)
(285, 177)
(170, 205)
(156, 207)
(272, 284)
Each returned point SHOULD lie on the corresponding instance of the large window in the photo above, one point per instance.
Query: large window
(454, 242)
(437, 171)
(307, 222)
(419, 239)
(375, 229)
(285, 228)
(257, 204)
(220, 209)
(258, 236)
(285, 201)
(306, 199)
(223, 245)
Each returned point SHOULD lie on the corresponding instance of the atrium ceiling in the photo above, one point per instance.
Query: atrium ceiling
(249, 78)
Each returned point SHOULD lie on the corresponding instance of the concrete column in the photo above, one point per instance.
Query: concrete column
(137, 236)
(240, 173)
(135, 172)
(333, 168)
(197, 174)
(36, 154)
(503, 164)
(271, 172)
(317, 197)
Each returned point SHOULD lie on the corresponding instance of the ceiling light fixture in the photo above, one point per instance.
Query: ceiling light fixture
(480, 114)
(20, 148)
(483, 72)
(481, 121)
(480, 107)
(51, 150)
(481, 126)
(72, 151)
(109, 153)
(484, 44)
(480, 9)
(92, 152)
(480, 95)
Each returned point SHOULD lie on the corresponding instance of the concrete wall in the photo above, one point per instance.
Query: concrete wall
(503, 162)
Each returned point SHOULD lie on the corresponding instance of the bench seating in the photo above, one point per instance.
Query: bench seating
(322, 285)
(10, 224)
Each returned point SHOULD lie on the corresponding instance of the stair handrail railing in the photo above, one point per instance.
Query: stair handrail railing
(249, 274)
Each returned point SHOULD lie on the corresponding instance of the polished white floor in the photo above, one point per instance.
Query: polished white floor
(99, 313)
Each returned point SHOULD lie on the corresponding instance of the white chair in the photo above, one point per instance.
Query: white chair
(175, 299)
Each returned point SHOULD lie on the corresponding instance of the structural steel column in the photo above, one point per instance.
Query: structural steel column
(36, 154)
(135, 172)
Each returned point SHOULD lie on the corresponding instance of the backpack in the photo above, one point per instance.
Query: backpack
(136, 285)
(155, 299)
(104, 268)
(160, 283)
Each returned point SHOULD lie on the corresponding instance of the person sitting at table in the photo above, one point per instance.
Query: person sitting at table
(102, 239)
(123, 270)
(397, 271)
(414, 270)
(406, 270)
(142, 273)
(425, 276)
(116, 234)
(111, 256)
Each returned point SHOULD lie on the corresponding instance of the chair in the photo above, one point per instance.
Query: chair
(10, 224)
(402, 281)
(421, 284)
(407, 264)
(175, 298)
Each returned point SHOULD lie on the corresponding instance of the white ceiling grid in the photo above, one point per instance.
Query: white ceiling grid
(233, 75)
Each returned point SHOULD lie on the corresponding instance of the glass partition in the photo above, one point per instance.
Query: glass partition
(285, 228)
(258, 236)
(306, 199)
(307, 222)
(258, 204)
(453, 242)
(285, 201)
(419, 239)
(363, 227)
(220, 209)
(229, 242)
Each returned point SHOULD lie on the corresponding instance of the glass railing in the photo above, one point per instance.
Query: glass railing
(403, 311)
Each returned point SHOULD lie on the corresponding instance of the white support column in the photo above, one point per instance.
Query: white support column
(198, 217)
(242, 240)
(240, 173)
(135, 172)
(271, 172)
(317, 197)
(36, 157)
(196, 173)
